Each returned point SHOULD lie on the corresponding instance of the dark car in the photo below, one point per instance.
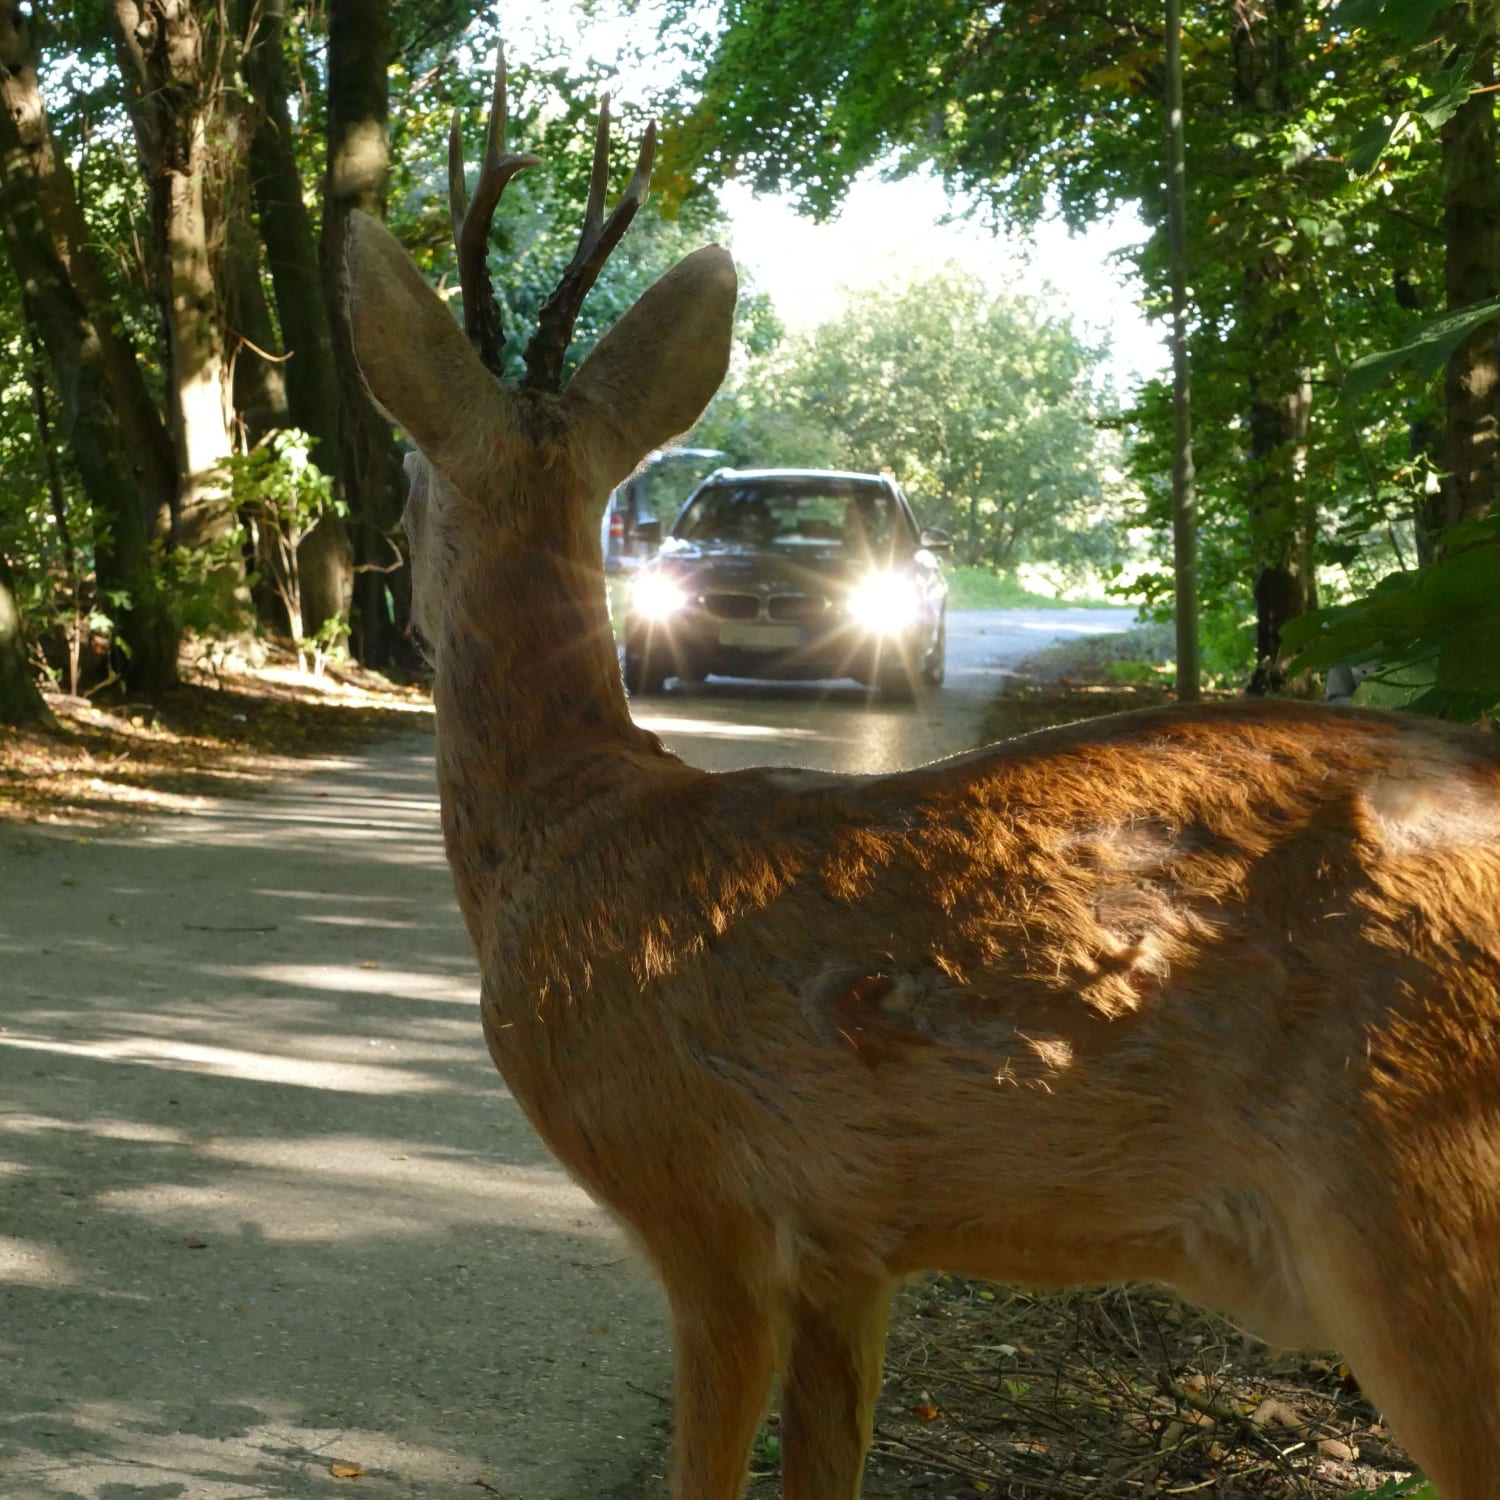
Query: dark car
(791, 573)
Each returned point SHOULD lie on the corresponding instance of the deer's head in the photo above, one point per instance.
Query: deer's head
(525, 466)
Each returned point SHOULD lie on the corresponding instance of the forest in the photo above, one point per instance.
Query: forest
(188, 458)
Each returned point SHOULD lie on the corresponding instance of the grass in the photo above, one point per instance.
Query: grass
(983, 588)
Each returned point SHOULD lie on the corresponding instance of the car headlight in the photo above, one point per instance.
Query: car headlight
(654, 596)
(886, 603)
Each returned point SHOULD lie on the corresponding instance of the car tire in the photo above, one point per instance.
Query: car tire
(935, 664)
(643, 678)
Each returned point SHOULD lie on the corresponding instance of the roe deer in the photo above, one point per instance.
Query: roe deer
(1205, 996)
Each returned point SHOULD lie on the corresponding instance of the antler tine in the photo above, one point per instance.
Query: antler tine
(554, 331)
(472, 220)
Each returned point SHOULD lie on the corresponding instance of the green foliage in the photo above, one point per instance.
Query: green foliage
(552, 113)
(983, 588)
(1413, 1488)
(280, 496)
(982, 407)
(1432, 634)
(1427, 350)
(1313, 201)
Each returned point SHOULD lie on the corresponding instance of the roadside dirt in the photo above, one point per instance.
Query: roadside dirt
(107, 759)
(1105, 1394)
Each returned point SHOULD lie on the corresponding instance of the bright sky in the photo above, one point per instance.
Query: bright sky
(887, 231)
(894, 231)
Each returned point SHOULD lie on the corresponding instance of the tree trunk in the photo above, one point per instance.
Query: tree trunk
(326, 558)
(167, 56)
(1471, 234)
(1184, 490)
(1266, 87)
(20, 701)
(259, 378)
(149, 445)
(96, 426)
(358, 51)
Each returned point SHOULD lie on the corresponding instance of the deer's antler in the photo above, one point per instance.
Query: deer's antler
(472, 220)
(554, 331)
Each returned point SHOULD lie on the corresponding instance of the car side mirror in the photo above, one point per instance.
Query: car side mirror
(648, 532)
(935, 539)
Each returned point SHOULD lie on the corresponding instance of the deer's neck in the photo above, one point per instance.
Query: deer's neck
(532, 716)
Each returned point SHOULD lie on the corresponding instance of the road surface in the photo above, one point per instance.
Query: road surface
(836, 726)
(266, 1210)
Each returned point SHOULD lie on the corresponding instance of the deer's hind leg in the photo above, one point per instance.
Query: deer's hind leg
(829, 1387)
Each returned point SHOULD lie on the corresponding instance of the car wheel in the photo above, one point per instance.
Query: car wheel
(935, 665)
(643, 678)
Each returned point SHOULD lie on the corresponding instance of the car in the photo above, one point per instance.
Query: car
(632, 526)
(791, 573)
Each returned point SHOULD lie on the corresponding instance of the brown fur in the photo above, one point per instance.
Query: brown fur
(1205, 996)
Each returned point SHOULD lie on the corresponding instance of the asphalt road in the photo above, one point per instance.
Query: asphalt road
(837, 726)
(265, 1207)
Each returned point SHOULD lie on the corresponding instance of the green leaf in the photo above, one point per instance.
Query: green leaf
(1406, 20)
(1370, 145)
(1435, 342)
(1442, 109)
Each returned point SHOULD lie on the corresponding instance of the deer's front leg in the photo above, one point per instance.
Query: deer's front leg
(831, 1383)
(725, 1338)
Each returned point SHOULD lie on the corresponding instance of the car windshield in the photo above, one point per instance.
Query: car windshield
(807, 513)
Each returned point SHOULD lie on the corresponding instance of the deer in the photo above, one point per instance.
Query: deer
(1202, 995)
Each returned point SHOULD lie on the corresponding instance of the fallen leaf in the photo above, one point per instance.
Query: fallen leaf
(926, 1412)
(344, 1471)
(1270, 1410)
(1336, 1449)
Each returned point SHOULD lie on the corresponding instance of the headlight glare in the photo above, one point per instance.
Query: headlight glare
(886, 603)
(654, 596)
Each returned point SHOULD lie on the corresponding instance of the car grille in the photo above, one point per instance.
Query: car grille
(801, 609)
(732, 606)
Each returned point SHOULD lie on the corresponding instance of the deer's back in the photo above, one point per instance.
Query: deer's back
(1266, 919)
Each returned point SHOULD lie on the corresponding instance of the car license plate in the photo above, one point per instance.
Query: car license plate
(760, 637)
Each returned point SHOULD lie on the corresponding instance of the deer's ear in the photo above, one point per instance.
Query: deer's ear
(649, 378)
(416, 360)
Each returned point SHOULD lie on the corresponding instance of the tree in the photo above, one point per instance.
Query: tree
(96, 428)
(187, 301)
(311, 382)
(170, 54)
(20, 702)
(359, 50)
(1471, 274)
(980, 405)
(117, 440)
(1184, 497)
(1046, 106)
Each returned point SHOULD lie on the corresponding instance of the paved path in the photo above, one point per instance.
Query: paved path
(265, 1206)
